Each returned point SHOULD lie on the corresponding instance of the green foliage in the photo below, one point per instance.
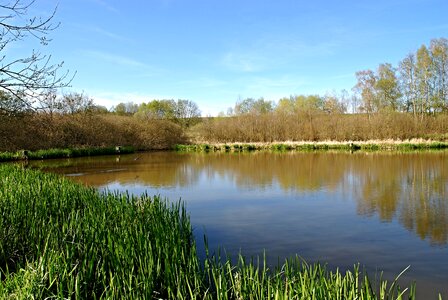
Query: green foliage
(252, 106)
(295, 279)
(64, 153)
(301, 104)
(420, 86)
(321, 146)
(186, 113)
(157, 109)
(123, 109)
(84, 244)
(387, 87)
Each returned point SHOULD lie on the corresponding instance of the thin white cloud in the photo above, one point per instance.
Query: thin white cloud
(117, 59)
(272, 52)
(106, 5)
(111, 35)
(202, 82)
(274, 87)
(242, 62)
(102, 32)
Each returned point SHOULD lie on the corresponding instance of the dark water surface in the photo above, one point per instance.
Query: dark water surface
(383, 210)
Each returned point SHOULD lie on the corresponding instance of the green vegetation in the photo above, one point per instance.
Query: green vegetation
(59, 239)
(307, 146)
(62, 240)
(63, 153)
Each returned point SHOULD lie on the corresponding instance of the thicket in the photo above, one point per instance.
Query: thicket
(277, 127)
(62, 240)
(36, 131)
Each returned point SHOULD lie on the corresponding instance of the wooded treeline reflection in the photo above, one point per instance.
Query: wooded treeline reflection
(411, 187)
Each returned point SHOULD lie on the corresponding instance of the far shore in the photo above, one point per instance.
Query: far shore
(370, 145)
(205, 146)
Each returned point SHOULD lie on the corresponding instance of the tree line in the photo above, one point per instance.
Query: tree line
(392, 102)
(417, 85)
(185, 113)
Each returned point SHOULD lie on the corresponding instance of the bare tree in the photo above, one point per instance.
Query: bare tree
(186, 113)
(74, 103)
(29, 77)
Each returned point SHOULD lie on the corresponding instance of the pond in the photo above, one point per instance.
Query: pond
(385, 210)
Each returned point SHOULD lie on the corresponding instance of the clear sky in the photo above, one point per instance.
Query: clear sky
(215, 52)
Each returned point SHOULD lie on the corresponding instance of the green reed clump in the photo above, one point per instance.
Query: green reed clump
(295, 279)
(8, 156)
(59, 239)
(279, 147)
(50, 153)
(237, 147)
(195, 148)
(62, 240)
(181, 148)
(64, 153)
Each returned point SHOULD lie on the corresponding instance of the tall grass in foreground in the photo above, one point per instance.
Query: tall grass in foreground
(60, 240)
(63, 240)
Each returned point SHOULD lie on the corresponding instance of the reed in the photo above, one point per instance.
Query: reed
(67, 241)
(62, 240)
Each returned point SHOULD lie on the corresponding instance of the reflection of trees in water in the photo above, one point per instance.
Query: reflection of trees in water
(410, 187)
(158, 169)
(291, 171)
(425, 200)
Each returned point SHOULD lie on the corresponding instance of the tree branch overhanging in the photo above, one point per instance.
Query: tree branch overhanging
(27, 78)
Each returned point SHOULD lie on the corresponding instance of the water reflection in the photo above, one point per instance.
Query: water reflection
(386, 210)
(411, 188)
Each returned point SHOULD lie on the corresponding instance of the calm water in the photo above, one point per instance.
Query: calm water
(384, 210)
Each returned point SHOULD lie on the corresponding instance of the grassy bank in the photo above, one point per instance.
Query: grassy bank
(386, 145)
(63, 153)
(60, 240)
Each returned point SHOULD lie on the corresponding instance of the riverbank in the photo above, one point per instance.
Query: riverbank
(371, 145)
(63, 153)
(63, 240)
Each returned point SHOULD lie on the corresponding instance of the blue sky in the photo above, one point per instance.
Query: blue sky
(216, 52)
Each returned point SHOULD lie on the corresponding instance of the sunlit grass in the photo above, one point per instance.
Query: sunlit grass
(373, 145)
(61, 240)
(63, 153)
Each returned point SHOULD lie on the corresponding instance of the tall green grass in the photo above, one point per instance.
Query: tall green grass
(61, 240)
(58, 239)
